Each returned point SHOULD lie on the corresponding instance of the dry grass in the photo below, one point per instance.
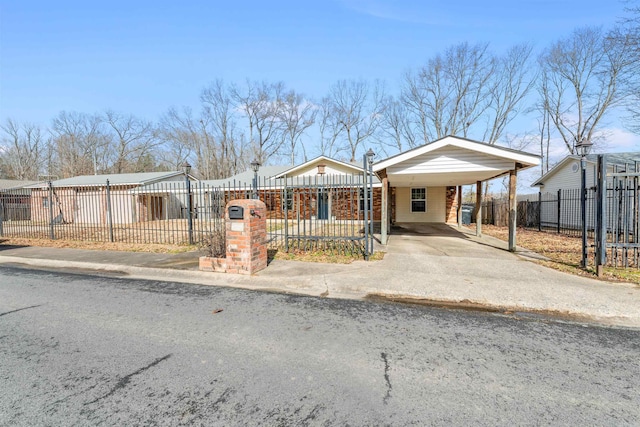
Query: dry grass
(324, 256)
(296, 255)
(99, 246)
(564, 253)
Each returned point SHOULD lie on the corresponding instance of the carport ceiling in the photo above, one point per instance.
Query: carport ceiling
(452, 161)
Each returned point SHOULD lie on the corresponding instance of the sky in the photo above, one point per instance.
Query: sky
(143, 57)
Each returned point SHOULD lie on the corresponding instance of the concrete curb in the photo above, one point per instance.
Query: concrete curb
(324, 285)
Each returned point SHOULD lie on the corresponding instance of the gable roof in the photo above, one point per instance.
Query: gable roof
(294, 169)
(140, 178)
(522, 157)
(619, 159)
(274, 176)
(246, 177)
(11, 184)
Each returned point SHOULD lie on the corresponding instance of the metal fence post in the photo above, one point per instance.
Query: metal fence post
(52, 235)
(559, 208)
(189, 214)
(371, 199)
(109, 213)
(285, 200)
(601, 215)
(1, 218)
(366, 207)
(539, 210)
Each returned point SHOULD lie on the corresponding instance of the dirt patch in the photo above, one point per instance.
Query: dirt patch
(468, 305)
(564, 253)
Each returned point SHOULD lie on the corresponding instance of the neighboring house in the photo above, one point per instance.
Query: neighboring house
(420, 185)
(566, 175)
(560, 189)
(82, 199)
(15, 202)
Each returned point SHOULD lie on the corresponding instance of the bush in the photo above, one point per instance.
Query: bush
(214, 244)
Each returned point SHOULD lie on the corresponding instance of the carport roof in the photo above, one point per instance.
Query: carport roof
(452, 161)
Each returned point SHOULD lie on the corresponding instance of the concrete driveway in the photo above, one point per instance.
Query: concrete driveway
(438, 239)
(438, 262)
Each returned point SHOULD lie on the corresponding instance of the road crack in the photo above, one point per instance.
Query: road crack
(19, 309)
(124, 381)
(385, 359)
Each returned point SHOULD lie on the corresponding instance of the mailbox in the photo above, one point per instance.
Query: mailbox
(236, 212)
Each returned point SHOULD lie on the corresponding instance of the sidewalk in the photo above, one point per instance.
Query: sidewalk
(441, 267)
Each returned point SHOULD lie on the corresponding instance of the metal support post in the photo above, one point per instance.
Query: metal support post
(189, 208)
(109, 212)
(52, 234)
(365, 168)
(583, 209)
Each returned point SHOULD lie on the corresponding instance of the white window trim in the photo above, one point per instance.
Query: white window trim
(411, 200)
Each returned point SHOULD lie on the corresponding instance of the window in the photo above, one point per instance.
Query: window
(418, 200)
(362, 199)
(45, 202)
(287, 199)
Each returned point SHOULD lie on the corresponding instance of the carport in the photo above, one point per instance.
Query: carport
(425, 184)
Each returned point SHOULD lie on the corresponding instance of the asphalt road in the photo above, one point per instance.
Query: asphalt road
(85, 350)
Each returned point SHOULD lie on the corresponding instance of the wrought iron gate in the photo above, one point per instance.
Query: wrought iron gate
(617, 215)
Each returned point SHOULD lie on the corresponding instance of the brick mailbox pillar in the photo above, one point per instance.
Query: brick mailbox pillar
(246, 228)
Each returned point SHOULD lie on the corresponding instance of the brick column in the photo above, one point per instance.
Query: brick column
(247, 237)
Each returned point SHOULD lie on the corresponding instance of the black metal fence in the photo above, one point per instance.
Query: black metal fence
(320, 212)
(558, 211)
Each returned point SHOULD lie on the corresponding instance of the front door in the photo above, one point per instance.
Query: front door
(323, 204)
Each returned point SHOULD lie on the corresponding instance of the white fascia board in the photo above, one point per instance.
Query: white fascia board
(307, 163)
(520, 157)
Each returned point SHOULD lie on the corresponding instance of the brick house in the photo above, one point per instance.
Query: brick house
(321, 189)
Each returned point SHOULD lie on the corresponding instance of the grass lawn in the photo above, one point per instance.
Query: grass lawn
(564, 253)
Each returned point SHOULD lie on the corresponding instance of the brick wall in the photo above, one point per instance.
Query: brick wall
(246, 238)
(452, 205)
(344, 203)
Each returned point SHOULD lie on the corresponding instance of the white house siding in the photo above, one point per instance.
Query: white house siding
(436, 205)
(568, 181)
(565, 178)
(88, 207)
(121, 207)
(331, 168)
(451, 159)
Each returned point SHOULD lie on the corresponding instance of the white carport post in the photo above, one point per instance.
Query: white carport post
(513, 207)
(479, 208)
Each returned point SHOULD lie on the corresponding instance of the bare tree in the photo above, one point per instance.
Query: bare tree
(219, 127)
(297, 115)
(133, 141)
(396, 130)
(260, 102)
(450, 94)
(582, 78)
(81, 145)
(329, 129)
(509, 83)
(178, 132)
(23, 150)
(628, 34)
(356, 107)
